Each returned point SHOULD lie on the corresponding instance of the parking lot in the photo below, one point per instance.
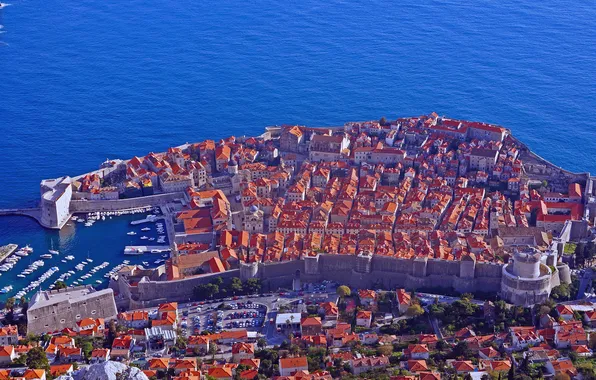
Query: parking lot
(196, 318)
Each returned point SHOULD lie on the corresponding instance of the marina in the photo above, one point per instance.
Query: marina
(36, 261)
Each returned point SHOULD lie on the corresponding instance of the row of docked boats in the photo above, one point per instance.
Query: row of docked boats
(90, 218)
(50, 272)
(10, 262)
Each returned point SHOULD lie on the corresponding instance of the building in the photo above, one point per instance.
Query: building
(9, 335)
(241, 351)
(289, 366)
(55, 202)
(56, 310)
(328, 148)
(287, 321)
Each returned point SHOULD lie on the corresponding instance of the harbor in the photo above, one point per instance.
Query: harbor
(87, 251)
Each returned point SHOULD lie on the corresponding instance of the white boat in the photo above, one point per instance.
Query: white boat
(89, 260)
(145, 229)
(131, 233)
(22, 253)
(27, 249)
(144, 237)
(145, 263)
(63, 261)
(46, 256)
(98, 281)
(69, 257)
(52, 250)
(21, 275)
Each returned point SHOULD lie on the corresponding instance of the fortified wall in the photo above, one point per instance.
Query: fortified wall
(362, 271)
(123, 204)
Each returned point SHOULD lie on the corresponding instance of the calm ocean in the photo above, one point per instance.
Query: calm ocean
(81, 81)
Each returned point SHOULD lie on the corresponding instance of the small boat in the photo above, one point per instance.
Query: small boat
(89, 260)
(21, 275)
(63, 261)
(145, 229)
(144, 237)
(52, 250)
(145, 263)
(69, 257)
(131, 233)
(98, 281)
(46, 256)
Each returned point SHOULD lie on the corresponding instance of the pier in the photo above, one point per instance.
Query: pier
(6, 251)
(141, 249)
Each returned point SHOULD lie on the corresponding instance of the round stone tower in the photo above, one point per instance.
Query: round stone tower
(526, 264)
(525, 280)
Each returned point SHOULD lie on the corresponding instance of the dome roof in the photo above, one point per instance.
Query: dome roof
(254, 209)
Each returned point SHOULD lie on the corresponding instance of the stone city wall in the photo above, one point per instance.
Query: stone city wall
(123, 204)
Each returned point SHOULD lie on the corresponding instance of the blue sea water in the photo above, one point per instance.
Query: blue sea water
(83, 81)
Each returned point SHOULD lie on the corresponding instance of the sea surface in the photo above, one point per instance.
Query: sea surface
(82, 81)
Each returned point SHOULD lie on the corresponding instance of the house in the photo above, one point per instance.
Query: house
(330, 310)
(289, 366)
(34, 374)
(565, 312)
(417, 366)
(159, 364)
(368, 298)
(61, 369)
(134, 319)
(220, 373)
(523, 336)
(488, 353)
(100, 355)
(590, 318)
(70, 354)
(564, 366)
(184, 365)
(9, 335)
(63, 341)
(91, 327)
(463, 366)
(200, 343)
(364, 318)
(249, 374)
(360, 365)
(242, 351)
(581, 350)
(417, 351)
(7, 355)
(311, 326)
(404, 300)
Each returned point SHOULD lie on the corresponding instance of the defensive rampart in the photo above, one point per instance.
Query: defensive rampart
(122, 204)
(356, 271)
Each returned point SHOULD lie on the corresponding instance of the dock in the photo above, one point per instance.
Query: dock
(148, 219)
(140, 249)
(6, 251)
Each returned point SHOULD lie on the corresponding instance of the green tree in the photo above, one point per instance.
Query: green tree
(10, 303)
(261, 343)
(87, 347)
(36, 358)
(252, 286)
(205, 291)
(60, 285)
(414, 311)
(343, 291)
(236, 285)
(561, 292)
